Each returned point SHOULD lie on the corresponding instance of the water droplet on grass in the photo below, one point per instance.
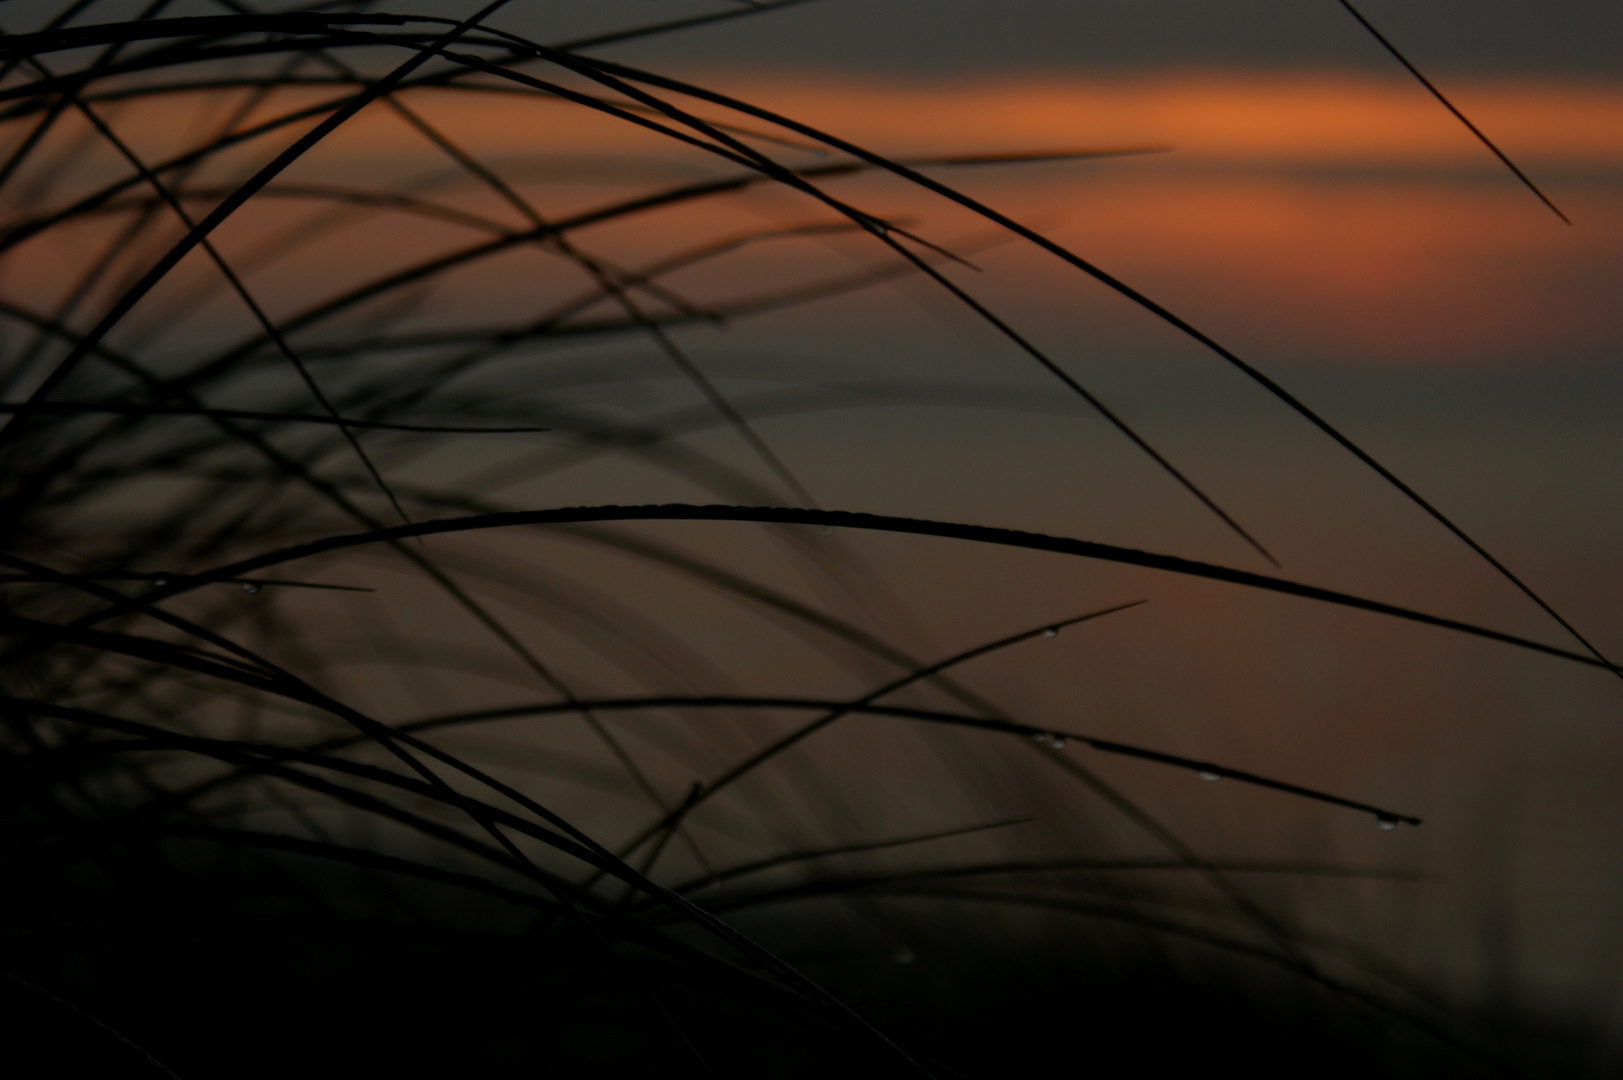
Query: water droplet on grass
(1386, 824)
(1057, 742)
(249, 587)
(1051, 632)
(1207, 774)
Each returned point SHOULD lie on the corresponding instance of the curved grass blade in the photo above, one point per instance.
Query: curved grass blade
(229, 205)
(1007, 727)
(720, 143)
(835, 519)
(119, 408)
(618, 36)
(1449, 105)
(760, 757)
(1143, 301)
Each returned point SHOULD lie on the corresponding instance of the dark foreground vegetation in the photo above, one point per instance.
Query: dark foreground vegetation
(267, 586)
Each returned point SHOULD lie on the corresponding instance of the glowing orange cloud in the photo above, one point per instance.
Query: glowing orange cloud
(1300, 214)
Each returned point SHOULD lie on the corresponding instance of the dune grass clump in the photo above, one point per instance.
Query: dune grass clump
(324, 752)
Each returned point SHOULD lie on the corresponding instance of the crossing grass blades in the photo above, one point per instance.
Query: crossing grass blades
(224, 858)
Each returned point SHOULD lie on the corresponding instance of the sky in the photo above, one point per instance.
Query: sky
(1310, 206)
(1303, 164)
(969, 38)
(1319, 212)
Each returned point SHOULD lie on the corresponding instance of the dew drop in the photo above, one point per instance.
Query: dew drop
(1385, 824)
(1057, 742)
(1037, 736)
(1207, 774)
(159, 580)
(1051, 632)
(249, 587)
(903, 955)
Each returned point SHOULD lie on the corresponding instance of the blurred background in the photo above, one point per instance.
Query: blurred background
(1265, 170)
